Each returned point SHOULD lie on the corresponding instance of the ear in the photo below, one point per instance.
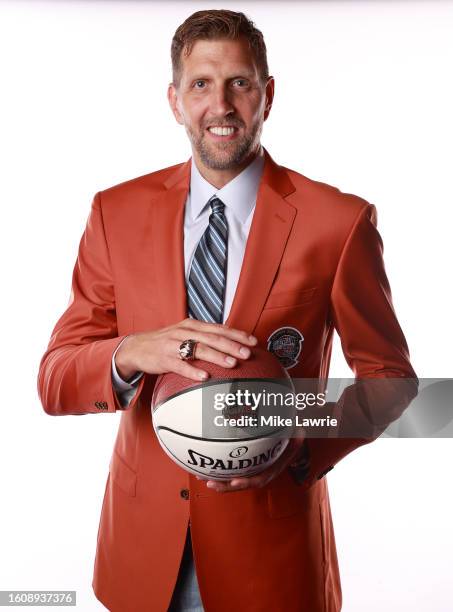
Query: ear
(172, 96)
(269, 96)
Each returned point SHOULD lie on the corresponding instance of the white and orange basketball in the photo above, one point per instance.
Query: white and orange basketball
(216, 440)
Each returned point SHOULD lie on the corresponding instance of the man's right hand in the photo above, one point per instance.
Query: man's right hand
(157, 352)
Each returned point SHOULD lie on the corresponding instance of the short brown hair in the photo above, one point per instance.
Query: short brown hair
(214, 24)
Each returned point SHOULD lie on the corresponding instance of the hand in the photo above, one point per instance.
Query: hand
(156, 352)
(289, 456)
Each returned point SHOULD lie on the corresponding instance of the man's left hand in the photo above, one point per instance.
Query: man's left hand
(290, 455)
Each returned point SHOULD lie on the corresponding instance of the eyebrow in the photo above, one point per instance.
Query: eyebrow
(239, 75)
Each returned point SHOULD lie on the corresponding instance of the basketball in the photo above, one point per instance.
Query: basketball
(236, 423)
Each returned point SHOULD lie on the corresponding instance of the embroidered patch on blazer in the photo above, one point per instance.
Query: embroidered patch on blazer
(286, 344)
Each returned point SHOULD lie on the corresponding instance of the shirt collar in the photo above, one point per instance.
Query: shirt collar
(239, 194)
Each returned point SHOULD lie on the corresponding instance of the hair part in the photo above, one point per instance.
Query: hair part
(213, 25)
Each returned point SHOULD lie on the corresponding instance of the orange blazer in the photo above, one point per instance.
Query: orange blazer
(313, 262)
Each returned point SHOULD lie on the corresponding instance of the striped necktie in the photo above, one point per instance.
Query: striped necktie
(207, 278)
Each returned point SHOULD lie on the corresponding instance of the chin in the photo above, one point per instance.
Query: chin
(223, 158)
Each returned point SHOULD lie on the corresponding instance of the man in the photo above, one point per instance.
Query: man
(212, 257)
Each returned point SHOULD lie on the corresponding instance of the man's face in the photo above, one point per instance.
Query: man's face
(221, 102)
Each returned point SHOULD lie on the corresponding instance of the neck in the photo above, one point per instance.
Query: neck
(219, 178)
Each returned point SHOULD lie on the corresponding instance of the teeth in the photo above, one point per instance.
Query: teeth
(221, 131)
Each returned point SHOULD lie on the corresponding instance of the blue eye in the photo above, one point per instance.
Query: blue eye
(199, 84)
(241, 82)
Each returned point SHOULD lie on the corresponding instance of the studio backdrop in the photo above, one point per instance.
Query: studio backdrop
(363, 101)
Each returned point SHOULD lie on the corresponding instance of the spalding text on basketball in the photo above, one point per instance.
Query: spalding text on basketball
(204, 461)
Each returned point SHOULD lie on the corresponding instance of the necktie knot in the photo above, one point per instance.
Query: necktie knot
(217, 206)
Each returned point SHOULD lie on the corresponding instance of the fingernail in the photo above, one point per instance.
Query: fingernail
(203, 375)
(230, 360)
(253, 339)
(245, 352)
(210, 484)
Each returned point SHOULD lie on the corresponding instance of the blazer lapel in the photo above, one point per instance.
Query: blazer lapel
(169, 246)
(269, 232)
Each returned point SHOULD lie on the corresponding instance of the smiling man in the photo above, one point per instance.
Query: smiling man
(209, 258)
(222, 99)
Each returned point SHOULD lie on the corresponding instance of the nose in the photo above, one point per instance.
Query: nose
(221, 104)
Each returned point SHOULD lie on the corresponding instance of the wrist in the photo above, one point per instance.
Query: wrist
(123, 360)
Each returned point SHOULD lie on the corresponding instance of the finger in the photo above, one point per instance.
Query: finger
(225, 486)
(207, 353)
(254, 482)
(237, 484)
(181, 367)
(259, 480)
(218, 342)
(219, 329)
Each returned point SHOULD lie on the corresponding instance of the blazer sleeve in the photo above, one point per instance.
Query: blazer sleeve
(371, 338)
(75, 371)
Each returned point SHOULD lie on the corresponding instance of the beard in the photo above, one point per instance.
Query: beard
(225, 155)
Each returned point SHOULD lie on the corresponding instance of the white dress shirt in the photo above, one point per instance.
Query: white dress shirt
(239, 197)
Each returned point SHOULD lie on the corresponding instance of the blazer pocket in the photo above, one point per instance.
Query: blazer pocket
(289, 298)
(123, 475)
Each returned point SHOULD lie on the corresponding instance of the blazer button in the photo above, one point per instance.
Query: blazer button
(184, 493)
